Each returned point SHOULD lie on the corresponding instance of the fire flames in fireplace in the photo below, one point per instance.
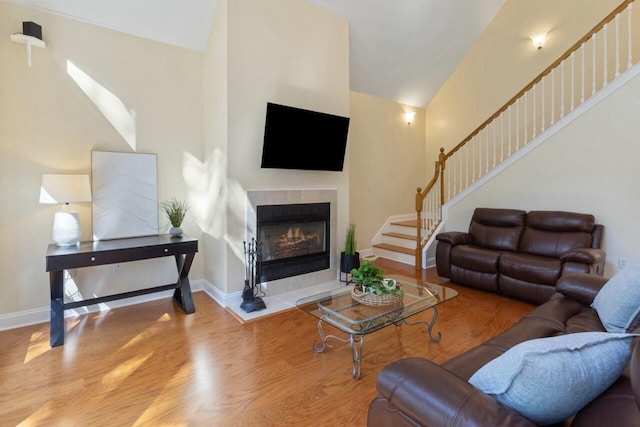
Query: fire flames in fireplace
(296, 241)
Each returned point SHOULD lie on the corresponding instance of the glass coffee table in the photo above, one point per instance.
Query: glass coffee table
(338, 309)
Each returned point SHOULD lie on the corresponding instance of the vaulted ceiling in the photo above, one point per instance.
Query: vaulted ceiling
(401, 50)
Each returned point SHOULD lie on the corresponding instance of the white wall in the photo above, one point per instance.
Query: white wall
(591, 166)
(288, 52)
(387, 159)
(503, 61)
(48, 124)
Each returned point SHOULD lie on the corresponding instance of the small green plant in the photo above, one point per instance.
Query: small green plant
(369, 278)
(350, 241)
(175, 211)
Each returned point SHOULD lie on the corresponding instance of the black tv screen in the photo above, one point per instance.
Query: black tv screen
(295, 138)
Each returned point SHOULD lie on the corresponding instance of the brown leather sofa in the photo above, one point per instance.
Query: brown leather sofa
(418, 392)
(521, 254)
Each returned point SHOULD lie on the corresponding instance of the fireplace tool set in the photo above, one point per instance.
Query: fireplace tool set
(250, 299)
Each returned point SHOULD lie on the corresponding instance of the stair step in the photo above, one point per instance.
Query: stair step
(407, 223)
(400, 236)
(394, 248)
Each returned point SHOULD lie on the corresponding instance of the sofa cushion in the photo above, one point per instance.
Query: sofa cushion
(549, 379)
(531, 268)
(497, 229)
(474, 258)
(618, 302)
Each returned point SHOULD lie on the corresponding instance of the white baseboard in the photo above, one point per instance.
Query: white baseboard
(42, 315)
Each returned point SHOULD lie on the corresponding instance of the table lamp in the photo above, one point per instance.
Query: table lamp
(65, 189)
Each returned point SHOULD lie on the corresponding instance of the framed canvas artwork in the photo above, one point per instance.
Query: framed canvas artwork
(125, 194)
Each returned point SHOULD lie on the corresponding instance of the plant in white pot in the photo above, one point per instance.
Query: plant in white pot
(175, 211)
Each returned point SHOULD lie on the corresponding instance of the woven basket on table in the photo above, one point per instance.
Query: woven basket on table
(367, 298)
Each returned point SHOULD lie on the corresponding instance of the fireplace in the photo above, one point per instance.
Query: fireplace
(294, 239)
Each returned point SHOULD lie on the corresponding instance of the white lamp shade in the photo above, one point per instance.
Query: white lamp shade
(65, 189)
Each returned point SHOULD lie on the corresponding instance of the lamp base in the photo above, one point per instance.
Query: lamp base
(66, 228)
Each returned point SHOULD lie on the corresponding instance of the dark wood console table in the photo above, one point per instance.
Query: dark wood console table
(87, 254)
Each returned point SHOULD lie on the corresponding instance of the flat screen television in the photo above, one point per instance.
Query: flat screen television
(295, 138)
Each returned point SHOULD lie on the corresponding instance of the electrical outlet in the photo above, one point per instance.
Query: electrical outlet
(622, 262)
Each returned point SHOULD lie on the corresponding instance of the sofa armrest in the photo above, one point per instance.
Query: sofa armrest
(583, 255)
(431, 395)
(581, 287)
(454, 237)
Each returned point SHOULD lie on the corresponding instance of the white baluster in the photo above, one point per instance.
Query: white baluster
(629, 37)
(473, 162)
(501, 136)
(542, 105)
(583, 82)
(467, 155)
(553, 97)
(518, 123)
(617, 45)
(604, 52)
(461, 167)
(525, 122)
(562, 90)
(493, 125)
(573, 83)
(593, 83)
(486, 132)
(509, 132)
(534, 111)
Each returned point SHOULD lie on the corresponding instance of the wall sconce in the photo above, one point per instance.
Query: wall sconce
(409, 116)
(538, 41)
(65, 189)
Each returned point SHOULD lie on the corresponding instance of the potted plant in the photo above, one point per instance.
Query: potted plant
(371, 288)
(349, 258)
(175, 211)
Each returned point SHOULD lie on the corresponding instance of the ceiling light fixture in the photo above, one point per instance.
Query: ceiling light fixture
(538, 41)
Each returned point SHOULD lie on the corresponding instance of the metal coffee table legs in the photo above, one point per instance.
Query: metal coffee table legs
(356, 347)
(357, 340)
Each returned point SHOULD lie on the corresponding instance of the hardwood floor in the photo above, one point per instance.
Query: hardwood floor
(151, 364)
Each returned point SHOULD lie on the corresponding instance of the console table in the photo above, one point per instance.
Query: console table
(87, 254)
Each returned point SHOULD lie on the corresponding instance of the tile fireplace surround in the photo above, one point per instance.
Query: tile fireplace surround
(282, 294)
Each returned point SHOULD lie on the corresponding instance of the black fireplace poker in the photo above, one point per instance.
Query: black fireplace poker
(251, 302)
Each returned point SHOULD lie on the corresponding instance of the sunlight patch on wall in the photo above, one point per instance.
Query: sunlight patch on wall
(205, 191)
(111, 107)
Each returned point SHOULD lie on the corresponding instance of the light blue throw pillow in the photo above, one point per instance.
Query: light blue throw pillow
(618, 302)
(549, 379)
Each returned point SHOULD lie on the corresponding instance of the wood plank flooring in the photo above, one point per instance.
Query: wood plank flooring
(151, 364)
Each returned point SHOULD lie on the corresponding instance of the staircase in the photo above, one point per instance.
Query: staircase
(398, 241)
(566, 89)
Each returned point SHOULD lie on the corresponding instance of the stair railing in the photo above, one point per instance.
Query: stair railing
(585, 68)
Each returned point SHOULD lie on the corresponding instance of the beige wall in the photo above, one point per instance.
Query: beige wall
(48, 124)
(590, 166)
(387, 163)
(503, 61)
(284, 51)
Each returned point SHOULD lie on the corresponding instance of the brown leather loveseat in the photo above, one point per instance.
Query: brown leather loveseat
(521, 254)
(417, 392)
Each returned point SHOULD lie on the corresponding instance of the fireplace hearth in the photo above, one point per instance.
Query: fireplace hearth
(294, 239)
